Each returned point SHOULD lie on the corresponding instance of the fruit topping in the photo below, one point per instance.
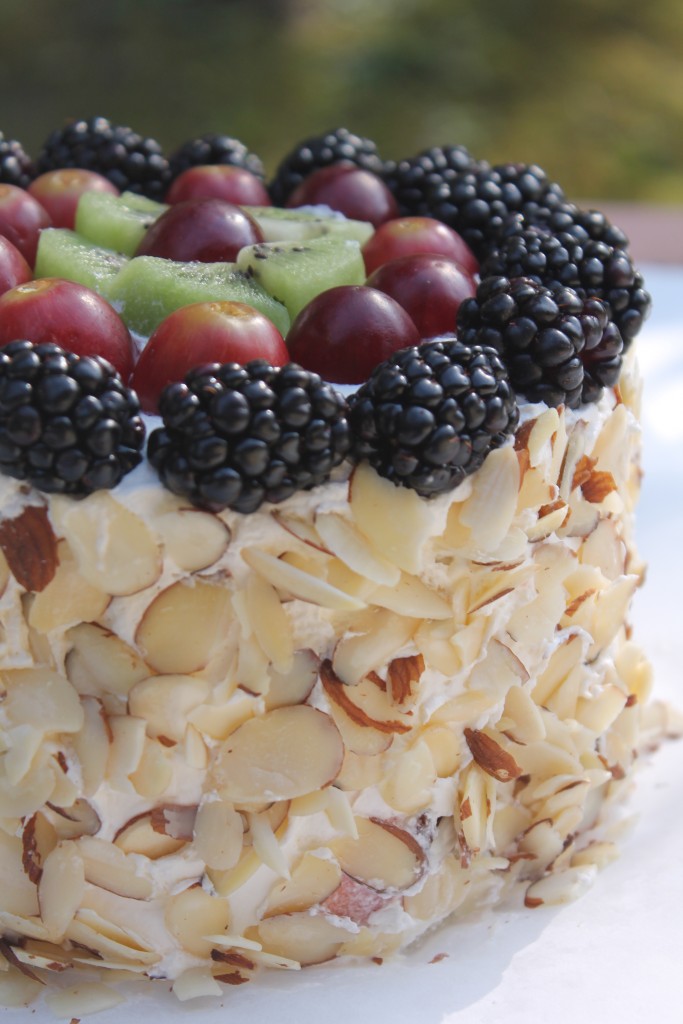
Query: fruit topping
(429, 287)
(212, 148)
(204, 230)
(219, 181)
(429, 415)
(16, 166)
(356, 193)
(70, 315)
(346, 331)
(63, 253)
(322, 151)
(236, 436)
(416, 181)
(59, 192)
(559, 347)
(116, 222)
(407, 236)
(573, 259)
(127, 159)
(21, 220)
(295, 272)
(280, 225)
(14, 269)
(67, 423)
(204, 332)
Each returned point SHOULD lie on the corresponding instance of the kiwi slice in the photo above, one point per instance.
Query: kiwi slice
(63, 253)
(149, 288)
(116, 222)
(295, 272)
(299, 225)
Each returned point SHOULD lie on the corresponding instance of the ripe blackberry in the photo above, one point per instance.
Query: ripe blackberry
(236, 436)
(212, 148)
(68, 424)
(559, 347)
(16, 166)
(485, 204)
(320, 151)
(429, 415)
(413, 179)
(128, 160)
(573, 259)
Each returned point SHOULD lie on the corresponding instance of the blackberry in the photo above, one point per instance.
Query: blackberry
(560, 348)
(429, 414)
(236, 436)
(16, 166)
(320, 151)
(572, 258)
(68, 425)
(128, 160)
(432, 171)
(212, 148)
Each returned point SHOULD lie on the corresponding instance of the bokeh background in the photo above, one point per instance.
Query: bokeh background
(590, 89)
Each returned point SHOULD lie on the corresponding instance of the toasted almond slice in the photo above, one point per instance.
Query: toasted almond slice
(302, 938)
(218, 834)
(383, 856)
(108, 867)
(282, 754)
(184, 625)
(100, 663)
(295, 685)
(138, 836)
(269, 623)
(192, 538)
(312, 881)
(164, 702)
(61, 888)
(395, 520)
(115, 551)
(342, 538)
(357, 655)
(298, 583)
(192, 914)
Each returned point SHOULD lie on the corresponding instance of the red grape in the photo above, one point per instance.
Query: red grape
(430, 288)
(407, 236)
(359, 194)
(207, 230)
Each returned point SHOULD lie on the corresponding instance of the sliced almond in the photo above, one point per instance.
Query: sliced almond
(86, 997)
(353, 900)
(108, 867)
(125, 752)
(218, 834)
(80, 819)
(412, 598)
(297, 582)
(282, 754)
(42, 699)
(18, 894)
(193, 914)
(410, 785)
(61, 888)
(29, 545)
(269, 623)
(99, 663)
(302, 938)
(184, 625)
(383, 856)
(301, 529)
(174, 820)
(165, 701)
(138, 836)
(115, 551)
(91, 744)
(39, 837)
(357, 655)
(491, 756)
(342, 538)
(295, 685)
(154, 772)
(192, 538)
(490, 509)
(67, 598)
(365, 704)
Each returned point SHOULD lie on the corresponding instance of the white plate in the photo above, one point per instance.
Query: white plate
(613, 956)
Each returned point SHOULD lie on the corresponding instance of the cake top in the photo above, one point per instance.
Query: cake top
(445, 290)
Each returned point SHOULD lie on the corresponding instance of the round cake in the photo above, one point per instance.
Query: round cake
(270, 710)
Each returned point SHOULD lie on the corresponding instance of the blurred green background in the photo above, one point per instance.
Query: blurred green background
(590, 89)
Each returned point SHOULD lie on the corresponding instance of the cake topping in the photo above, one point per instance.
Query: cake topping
(236, 436)
(429, 415)
(213, 148)
(16, 166)
(559, 348)
(322, 151)
(67, 423)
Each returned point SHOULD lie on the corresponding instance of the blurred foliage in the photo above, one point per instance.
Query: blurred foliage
(590, 89)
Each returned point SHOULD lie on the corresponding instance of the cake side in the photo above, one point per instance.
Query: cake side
(320, 729)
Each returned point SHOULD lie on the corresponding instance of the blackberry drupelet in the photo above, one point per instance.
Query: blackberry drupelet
(68, 425)
(212, 148)
(560, 348)
(16, 166)
(129, 161)
(337, 146)
(573, 259)
(430, 173)
(236, 436)
(429, 415)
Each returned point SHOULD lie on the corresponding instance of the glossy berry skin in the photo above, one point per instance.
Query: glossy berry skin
(22, 218)
(219, 181)
(204, 332)
(359, 194)
(207, 230)
(14, 269)
(70, 315)
(346, 331)
(407, 236)
(430, 288)
(59, 192)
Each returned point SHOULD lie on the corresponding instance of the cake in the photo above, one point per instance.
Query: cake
(316, 724)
